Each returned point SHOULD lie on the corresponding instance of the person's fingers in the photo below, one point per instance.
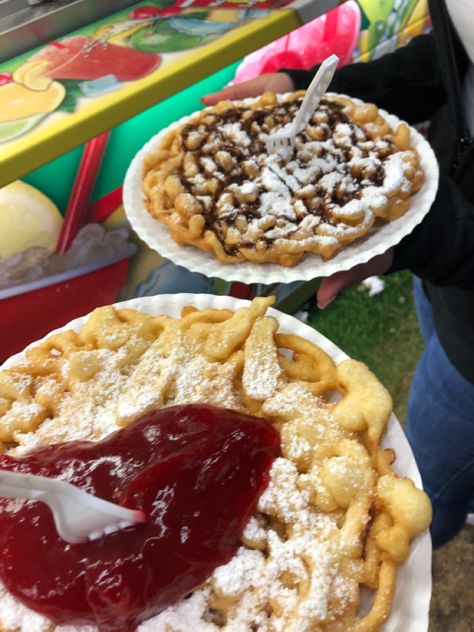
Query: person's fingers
(331, 286)
(231, 93)
(251, 88)
(276, 82)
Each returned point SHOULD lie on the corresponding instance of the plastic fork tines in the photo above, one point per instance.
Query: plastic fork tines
(285, 139)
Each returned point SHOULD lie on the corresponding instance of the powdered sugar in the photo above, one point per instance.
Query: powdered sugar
(249, 188)
(22, 413)
(338, 170)
(16, 385)
(276, 575)
(261, 375)
(353, 208)
(15, 616)
(343, 134)
(209, 164)
(255, 533)
(273, 204)
(236, 134)
(316, 166)
(178, 617)
(244, 572)
(273, 183)
(120, 390)
(394, 174)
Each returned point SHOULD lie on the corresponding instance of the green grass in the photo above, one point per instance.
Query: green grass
(381, 331)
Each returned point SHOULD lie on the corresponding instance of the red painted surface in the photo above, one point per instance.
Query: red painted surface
(83, 58)
(26, 317)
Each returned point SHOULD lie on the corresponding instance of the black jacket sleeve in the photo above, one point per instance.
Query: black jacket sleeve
(441, 249)
(406, 82)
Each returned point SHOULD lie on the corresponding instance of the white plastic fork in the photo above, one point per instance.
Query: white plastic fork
(285, 138)
(78, 516)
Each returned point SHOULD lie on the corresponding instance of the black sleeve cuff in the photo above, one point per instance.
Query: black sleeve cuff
(441, 249)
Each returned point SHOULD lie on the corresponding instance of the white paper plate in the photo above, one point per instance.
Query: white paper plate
(156, 234)
(410, 610)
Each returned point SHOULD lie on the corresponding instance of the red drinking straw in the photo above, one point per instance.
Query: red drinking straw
(103, 208)
(79, 199)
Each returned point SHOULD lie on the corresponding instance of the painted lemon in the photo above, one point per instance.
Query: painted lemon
(19, 102)
(27, 218)
(32, 75)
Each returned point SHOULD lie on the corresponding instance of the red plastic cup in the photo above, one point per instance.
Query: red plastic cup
(30, 311)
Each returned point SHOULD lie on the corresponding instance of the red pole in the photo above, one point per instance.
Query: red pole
(79, 199)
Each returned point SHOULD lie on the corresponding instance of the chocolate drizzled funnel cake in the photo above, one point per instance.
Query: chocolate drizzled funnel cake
(215, 186)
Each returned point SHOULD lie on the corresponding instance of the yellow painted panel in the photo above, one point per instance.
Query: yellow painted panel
(58, 132)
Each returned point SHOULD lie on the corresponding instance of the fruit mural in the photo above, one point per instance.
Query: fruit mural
(102, 57)
(63, 75)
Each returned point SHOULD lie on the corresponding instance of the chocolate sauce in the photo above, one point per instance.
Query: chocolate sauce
(254, 126)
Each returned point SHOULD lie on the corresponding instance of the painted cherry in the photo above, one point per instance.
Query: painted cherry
(169, 11)
(143, 13)
(5, 77)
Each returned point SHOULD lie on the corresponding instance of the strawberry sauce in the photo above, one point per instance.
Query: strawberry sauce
(197, 472)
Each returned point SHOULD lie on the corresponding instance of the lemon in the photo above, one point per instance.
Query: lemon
(18, 102)
(32, 76)
(27, 218)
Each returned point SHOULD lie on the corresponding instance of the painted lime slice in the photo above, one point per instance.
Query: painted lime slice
(13, 129)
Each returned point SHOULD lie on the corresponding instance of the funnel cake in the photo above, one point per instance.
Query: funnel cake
(213, 184)
(334, 518)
